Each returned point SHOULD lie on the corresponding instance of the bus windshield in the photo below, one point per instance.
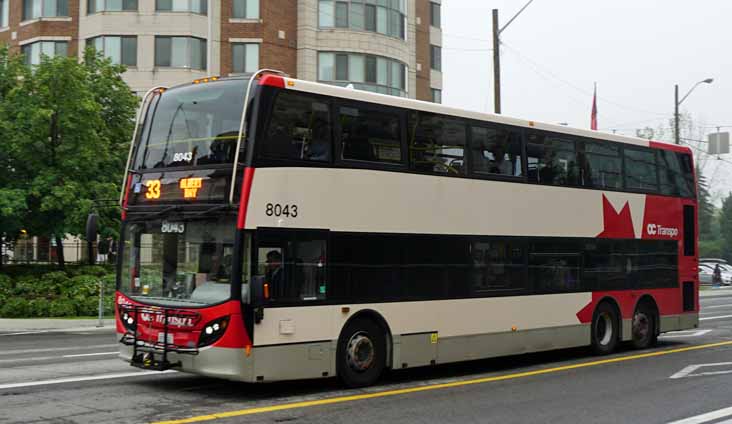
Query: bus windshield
(176, 262)
(193, 125)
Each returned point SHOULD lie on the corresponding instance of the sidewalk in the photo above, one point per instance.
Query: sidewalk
(52, 324)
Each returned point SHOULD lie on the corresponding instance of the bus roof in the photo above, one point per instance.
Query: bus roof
(383, 99)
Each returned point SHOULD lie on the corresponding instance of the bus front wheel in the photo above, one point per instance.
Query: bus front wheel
(605, 329)
(361, 355)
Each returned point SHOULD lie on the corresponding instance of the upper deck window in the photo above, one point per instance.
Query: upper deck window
(496, 150)
(552, 159)
(193, 125)
(437, 143)
(299, 128)
(602, 167)
(640, 169)
(370, 134)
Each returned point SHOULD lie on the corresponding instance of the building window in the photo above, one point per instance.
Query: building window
(245, 58)
(436, 95)
(34, 9)
(436, 58)
(246, 9)
(386, 17)
(122, 50)
(96, 6)
(365, 72)
(34, 52)
(190, 6)
(180, 52)
(4, 13)
(435, 17)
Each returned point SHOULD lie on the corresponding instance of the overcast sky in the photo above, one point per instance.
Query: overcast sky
(636, 50)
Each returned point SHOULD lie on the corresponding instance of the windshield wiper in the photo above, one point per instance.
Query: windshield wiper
(212, 209)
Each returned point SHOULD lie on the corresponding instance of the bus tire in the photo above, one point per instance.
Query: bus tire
(644, 327)
(605, 329)
(361, 353)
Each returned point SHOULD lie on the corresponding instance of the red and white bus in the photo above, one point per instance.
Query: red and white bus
(315, 231)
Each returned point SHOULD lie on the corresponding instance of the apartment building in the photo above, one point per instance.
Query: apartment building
(387, 46)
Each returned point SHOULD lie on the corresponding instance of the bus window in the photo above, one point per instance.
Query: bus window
(554, 265)
(602, 166)
(299, 129)
(293, 270)
(688, 186)
(496, 151)
(370, 135)
(551, 160)
(496, 265)
(436, 144)
(640, 169)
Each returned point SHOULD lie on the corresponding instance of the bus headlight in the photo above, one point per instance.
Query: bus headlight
(127, 319)
(213, 331)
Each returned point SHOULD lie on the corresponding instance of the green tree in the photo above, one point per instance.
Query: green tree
(725, 224)
(68, 125)
(706, 208)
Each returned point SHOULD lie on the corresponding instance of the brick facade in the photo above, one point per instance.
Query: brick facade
(423, 50)
(19, 31)
(275, 52)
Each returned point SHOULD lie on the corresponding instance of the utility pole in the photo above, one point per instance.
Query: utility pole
(497, 55)
(496, 64)
(677, 137)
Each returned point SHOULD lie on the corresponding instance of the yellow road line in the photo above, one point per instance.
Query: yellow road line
(341, 399)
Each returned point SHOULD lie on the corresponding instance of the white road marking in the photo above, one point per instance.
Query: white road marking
(718, 317)
(726, 305)
(47, 358)
(704, 418)
(85, 378)
(90, 354)
(59, 330)
(54, 349)
(685, 333)
(687, 371)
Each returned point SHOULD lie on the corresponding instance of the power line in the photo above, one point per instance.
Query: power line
(579, 89)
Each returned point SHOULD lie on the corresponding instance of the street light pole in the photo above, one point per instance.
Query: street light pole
(678, 102)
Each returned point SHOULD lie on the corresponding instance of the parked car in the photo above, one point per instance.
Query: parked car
(706, 274)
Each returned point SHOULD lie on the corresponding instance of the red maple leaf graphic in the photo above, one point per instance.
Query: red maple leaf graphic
(617, 225)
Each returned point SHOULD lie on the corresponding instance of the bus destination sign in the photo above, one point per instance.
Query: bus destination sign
(170, 188)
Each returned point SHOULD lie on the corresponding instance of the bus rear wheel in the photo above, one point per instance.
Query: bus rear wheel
(644, 327)
(361, 354)
(605, 329)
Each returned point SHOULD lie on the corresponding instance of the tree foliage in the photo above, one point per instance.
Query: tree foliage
(706, 208)
(66, 125)
(725, 224)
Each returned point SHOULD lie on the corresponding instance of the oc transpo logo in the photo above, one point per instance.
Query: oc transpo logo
(660, 230)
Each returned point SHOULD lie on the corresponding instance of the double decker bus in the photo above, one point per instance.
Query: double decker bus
(278, 229)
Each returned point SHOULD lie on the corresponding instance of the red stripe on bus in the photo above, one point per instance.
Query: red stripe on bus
(272, 81)
(246, 188)
(127, 195)
(667, 146)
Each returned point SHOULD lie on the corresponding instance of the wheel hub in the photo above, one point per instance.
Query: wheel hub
(641, 326)
(604, 331)
(360, 352)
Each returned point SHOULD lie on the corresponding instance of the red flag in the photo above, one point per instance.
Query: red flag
(593, 117)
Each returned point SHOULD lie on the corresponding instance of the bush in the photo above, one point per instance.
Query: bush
(81, 286)
(95, 270)
(86, 306)
(62, 308)
(15, 307)
(39, 307)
